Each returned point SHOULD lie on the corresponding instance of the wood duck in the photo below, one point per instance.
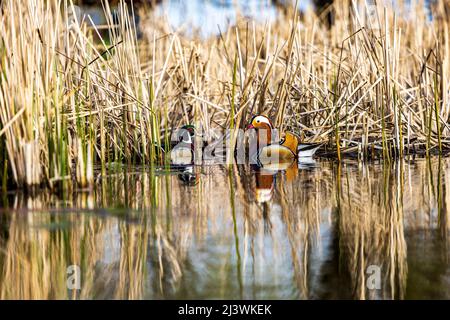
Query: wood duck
(285, 151)
(182, 152)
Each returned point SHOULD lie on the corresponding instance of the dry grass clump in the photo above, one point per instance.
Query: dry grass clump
(373, 84)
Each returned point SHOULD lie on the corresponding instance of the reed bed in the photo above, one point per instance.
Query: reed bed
(74, 97)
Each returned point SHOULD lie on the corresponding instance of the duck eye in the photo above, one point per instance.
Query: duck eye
(257, 121)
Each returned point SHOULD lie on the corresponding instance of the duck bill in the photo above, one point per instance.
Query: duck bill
(250, 126)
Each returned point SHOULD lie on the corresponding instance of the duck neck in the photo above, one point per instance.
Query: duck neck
(264, 137)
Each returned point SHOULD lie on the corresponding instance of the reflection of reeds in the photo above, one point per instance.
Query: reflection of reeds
(371, 229)
(163, 239)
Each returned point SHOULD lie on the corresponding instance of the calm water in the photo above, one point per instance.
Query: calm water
(312, 231)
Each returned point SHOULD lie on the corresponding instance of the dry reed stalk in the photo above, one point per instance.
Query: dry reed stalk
(375, 77)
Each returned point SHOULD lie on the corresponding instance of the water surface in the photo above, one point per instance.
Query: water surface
(309, 232)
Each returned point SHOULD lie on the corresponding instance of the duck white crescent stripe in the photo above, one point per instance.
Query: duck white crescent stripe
(263, 120)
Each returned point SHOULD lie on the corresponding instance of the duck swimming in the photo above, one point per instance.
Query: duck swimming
(285, 151)
(182, 155)
(182, 152)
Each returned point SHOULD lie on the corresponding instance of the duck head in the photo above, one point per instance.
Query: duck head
(262, 125)
(260, 122)
(186, 134)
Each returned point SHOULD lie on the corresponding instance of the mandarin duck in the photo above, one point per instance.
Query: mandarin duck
(285, 151)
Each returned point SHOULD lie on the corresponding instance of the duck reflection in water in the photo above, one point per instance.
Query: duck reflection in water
(265, 178)
(188, 176)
